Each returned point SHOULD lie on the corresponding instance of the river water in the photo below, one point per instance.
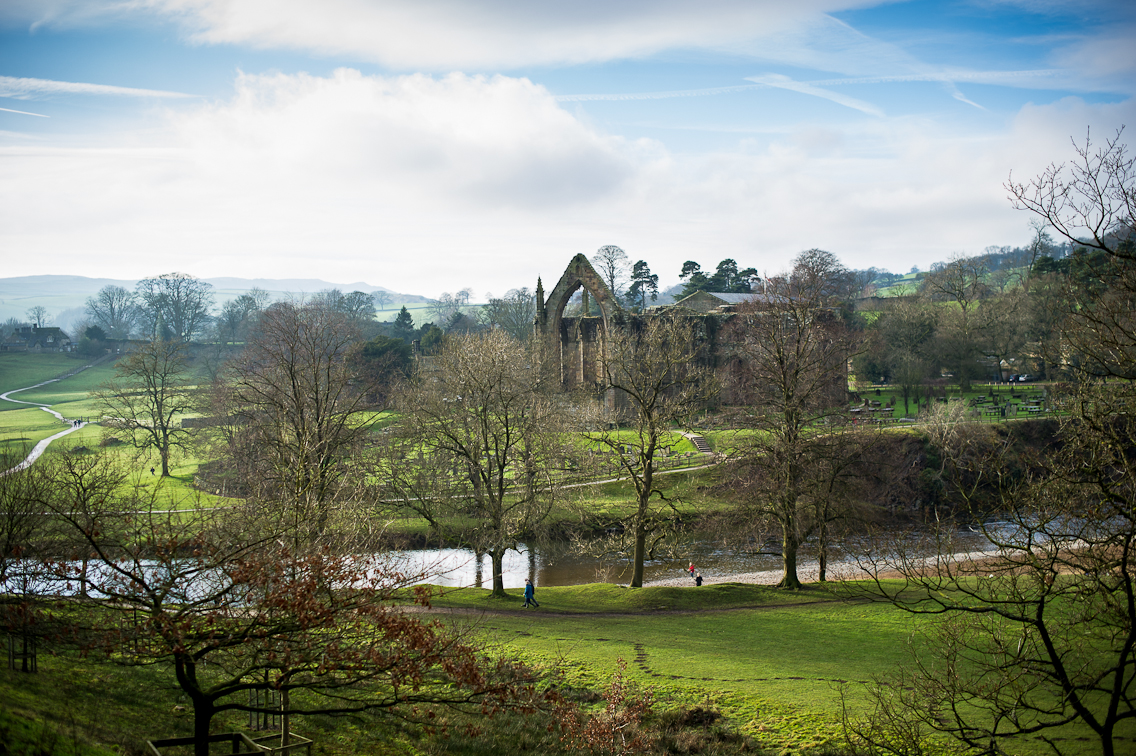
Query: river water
(556, 564)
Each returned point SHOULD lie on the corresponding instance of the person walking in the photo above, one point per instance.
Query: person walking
(529, 592)
(691, 569)
(698, 580)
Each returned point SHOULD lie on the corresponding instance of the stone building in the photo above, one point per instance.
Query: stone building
(581, 340)
(37, 339)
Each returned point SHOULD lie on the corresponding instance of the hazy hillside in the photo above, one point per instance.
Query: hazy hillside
(65, 296)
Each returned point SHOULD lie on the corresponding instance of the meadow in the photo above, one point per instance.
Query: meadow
(772, 665)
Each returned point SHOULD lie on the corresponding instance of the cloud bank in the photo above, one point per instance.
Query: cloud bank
(379, 178)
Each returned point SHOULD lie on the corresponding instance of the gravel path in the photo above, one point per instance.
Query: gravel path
(807, 572)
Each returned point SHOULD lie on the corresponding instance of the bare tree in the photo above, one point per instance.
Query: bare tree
(38, 316)
(10, 326)
(381, 298)
(481, 450)
(356, 305)
(1042, 633)
(1091, 201)
(445, 308)
(512, 313)
(961, 282)
(906, 327)
(789, 371)
(238, 315)
(174, 305)
(614, 268)
(296, 410)
(656, 369)
(114, 309)
(212, 597)
(150, 392)
(22, 518)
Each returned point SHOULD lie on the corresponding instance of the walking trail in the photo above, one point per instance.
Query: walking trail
(39, 448)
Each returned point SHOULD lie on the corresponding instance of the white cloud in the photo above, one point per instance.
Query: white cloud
(456, 34)
(430, 184)
(1108, 59)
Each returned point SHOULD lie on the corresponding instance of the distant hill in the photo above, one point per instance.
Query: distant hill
(65, 296)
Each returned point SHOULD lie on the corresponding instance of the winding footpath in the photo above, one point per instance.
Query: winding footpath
(39, 448)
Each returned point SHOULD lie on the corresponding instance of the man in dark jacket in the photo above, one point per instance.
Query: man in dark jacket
(529, 591)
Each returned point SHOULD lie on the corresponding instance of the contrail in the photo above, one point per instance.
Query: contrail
(948, 76)
(24, 112)
(11, 86)
(656, 95)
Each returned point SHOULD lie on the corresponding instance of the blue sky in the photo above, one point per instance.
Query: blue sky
(429, 147)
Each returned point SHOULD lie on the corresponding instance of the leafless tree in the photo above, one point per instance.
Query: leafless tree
(512, 313)
(482, 447)
(614, 268)
(356, 305)
(961, 283)
(444, 309)
(789, 373)
(1041, 633)
(238, 315)
(174, 305)
(145, 402)
(1091, 201)
(214, 598)
(294, 411)
(113, 309)
(382, 298)
(657, 370)
(38, 316)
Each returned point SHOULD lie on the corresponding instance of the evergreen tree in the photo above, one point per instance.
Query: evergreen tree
(403, 325)
(643, 282)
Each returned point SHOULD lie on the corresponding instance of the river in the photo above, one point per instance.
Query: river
(556, 564)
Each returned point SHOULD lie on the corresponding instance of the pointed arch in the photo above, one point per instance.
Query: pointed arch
(579, 274)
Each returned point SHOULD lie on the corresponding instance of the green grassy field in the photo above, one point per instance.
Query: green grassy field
(773, 664)
(20, 370)
(21, 426)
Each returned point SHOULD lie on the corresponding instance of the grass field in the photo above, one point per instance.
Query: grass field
(772, 663)
(21, 426)
(18, 370)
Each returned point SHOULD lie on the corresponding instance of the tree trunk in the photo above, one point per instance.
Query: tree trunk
(497, 556)
(640, 554)
(165, 455)
(285, 719)
(202, 716)
(822, 550)
(789, 556)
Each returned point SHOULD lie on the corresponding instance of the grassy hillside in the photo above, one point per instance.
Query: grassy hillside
(773, 665)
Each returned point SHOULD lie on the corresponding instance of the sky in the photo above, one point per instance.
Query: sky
(429, 147)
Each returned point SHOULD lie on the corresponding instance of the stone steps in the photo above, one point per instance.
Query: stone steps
(699, 443)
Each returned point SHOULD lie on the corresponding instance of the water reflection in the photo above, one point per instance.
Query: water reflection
(556, 564)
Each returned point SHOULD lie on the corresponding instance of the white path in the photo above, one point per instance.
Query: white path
(39, 448)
